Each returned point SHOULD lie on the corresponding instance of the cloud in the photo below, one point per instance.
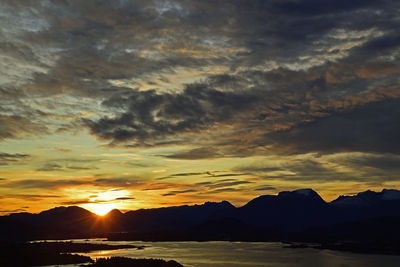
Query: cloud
(387, 162)
(300, 168)
(376, 169)
(226, 189)
(91, 201)
(255, 115)
(196, 153)
(217, 186)
(304, 80)
(176, 192)
(249, 66)
(124, 198)
(44, 183)
(31, 197)
(204, 174)
(78, 202)
(12, 211)
(63, 183)
(230, 182)
(6, 158)
(15, 126)
(184, 174)
(117, 182)
(369, 128)
(62, 166)
(266, 188)
(50, 167)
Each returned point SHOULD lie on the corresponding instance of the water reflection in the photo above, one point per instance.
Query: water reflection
(235, 254)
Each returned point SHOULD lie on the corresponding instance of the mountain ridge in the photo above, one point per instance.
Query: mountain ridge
(282, 193)
(287, 214)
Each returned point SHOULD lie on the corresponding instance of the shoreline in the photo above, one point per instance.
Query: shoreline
(351, 246)
(45, 253)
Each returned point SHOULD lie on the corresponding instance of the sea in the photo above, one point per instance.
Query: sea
(240, 254)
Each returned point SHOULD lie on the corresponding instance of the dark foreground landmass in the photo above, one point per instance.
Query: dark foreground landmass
(53, 253)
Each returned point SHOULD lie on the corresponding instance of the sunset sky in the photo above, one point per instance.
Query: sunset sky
(138, 104)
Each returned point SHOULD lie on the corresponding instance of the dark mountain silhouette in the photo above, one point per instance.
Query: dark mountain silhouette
(177, 218)
(290, 215)
(55, 223)
(291, 211)
(365, 205)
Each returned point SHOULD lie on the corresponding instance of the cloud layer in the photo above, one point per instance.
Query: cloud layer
(200, 81)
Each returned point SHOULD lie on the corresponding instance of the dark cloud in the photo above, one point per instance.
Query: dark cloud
(369, 128)
(6, 158)
(59, 167)
(225, 183)
(124, 198)
(216, 186)
(266, 188)
(229, 174)
(376, 167)
(253, 114)
(278, 53)
(225, 78)
(50, 167)
(61, 183)
(227, 189)
(13, 211)
(79, 202)
(69, 164)
(357, 167)
(91, 201)
(15, 126)
(203, 183)
(44, 183)
(176, 192)
(387, 162)
(184, 174)
(311, 168)
(150, 115)
(205, 174)
(196, 153)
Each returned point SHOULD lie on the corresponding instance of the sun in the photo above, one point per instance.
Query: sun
(103, 202)
(102, 209)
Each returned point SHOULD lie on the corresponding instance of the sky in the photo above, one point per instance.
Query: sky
(152, 103)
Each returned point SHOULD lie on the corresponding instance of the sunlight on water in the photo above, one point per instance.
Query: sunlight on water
(241, 254)
(235, 254)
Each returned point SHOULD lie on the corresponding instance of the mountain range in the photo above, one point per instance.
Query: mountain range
(300, 215)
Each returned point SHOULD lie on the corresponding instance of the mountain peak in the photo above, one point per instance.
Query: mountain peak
(368, 197)
(55, 210)
(303, 193)
(114, 212)
(390, 194)
(368, 193)
(222, 204)
(70, 210)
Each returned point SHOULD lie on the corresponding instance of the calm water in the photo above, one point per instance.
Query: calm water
(235, 254)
